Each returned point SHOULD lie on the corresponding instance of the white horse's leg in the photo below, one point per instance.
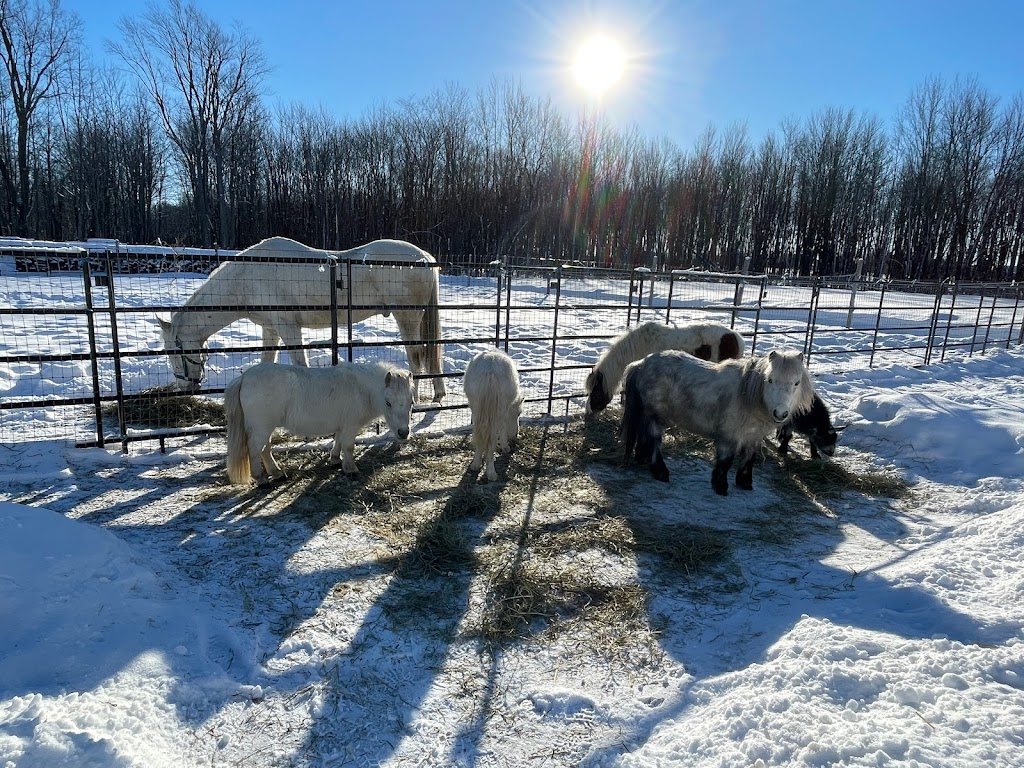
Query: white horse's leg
(492, 473)
(292, 336)
(343, 452)
(259, 448)
(478, 456)
(271, 338)
(276, 473)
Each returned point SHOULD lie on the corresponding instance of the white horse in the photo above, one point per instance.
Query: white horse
(265, 292)
(708, 341)
(737, 403)
(308, 402)
(492, 389)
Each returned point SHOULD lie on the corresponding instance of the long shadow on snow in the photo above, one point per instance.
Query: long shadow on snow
(765, 583)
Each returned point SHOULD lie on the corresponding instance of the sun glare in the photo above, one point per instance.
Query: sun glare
(599, 64)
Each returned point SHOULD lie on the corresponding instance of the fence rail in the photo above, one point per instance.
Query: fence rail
(80, 347)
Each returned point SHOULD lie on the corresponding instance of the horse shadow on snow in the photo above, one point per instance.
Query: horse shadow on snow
(772, 571)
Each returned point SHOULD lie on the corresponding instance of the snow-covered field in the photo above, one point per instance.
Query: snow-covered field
(152, 615)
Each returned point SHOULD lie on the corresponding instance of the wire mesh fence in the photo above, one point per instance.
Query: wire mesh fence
(82, 340)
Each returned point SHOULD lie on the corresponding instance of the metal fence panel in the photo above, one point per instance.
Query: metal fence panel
(82, 342)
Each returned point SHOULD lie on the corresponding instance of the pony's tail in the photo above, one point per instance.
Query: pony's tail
(633, 423)
(430, 331)
(239, 471)
(488, 415)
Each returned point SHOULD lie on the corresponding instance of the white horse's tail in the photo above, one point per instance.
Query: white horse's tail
(239, 471)
(430, 330)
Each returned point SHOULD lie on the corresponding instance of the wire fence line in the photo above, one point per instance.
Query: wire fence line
(80, 342)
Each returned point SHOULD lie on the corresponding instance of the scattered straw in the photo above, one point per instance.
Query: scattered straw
(164, 407)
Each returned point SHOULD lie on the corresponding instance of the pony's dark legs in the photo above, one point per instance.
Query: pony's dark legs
(784, 435)
(658, 468)
(745, 470)
(720, 474)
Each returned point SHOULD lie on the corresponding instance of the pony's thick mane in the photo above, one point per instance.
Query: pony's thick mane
(755, 372)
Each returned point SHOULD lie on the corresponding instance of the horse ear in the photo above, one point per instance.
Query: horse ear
(387, 379)
(164, 324)
(771, 355)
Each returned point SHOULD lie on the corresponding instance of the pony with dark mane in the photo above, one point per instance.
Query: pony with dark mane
(736, 403)
(816, 426)
(278, 291)
(308, 402)
(708, 341)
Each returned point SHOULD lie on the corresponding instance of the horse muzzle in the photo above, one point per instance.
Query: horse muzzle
(186, 383)
(402, 434)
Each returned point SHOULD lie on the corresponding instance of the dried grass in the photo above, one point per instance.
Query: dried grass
(165, 407)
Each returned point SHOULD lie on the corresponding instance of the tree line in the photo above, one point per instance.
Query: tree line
(171, 139)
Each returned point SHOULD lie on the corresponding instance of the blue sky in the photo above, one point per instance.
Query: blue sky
(693, 62)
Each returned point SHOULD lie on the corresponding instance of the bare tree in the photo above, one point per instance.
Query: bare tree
(205, 84)
(37, 39)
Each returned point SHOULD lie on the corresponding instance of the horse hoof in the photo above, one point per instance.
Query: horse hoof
(660, 472)
(721, 491)
(745, 486)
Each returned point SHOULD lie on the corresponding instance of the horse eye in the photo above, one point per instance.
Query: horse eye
(387, 403)
(771, 380)
(796, 383)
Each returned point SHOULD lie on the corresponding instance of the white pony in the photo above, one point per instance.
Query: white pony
(492, 389)
(737, 403)
(309, 402)
(708, 341)
(264, 290)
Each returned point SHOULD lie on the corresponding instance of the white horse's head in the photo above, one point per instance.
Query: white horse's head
(187, 357)
(787, 387)
(398, 398)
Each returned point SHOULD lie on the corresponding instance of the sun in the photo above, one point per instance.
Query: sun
(599, 64)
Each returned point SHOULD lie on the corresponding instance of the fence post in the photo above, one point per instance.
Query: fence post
(949, 320)
(641, 273)
(977, 321)
(737, 297)
(94, 363)
(933, 331)
(496, 266)
(334, 310)
(878, 325)
(348, 291)
(554, 338)
(671, 288)
(853, 293)
(812, 319)
(1016, 305)
(116, 349)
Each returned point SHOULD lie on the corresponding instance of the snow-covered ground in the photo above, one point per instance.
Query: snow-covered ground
(152, 615)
